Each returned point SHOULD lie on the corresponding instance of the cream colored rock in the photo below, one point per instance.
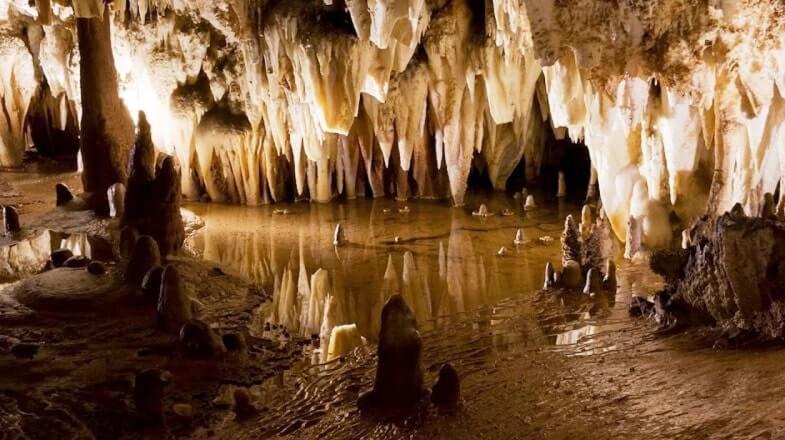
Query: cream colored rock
(343, 339)
(116, 196)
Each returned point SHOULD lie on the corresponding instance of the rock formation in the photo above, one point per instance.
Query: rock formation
(407, 97)
(152, 199)
(446, 391)
(62, 194)
(116, 198)
(106, 127)
(174, 305)
(198, 340)
(144, 256)
(10, 220)
(399, 373)
(732, 276)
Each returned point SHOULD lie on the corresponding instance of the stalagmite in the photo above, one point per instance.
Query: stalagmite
(519, 237)
(174, 305)
(116, 197)
(399, 373)
(62, 194)
(570, 241)
(343, 339)
(77, 261)
(10, 220)
(447, 390)
(609, 282)
(128, 237)
(586, 222)
(197, 340)
(482, 211)
(550, 276)
(339, 237)
(106, 127)
(60, 256)
(571, 276)
(144, 256)
(530, 203)
(153, 195)
(151, 284)
(320, 290)
(593, 282)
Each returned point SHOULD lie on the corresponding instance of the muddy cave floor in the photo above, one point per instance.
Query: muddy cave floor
(531, 365)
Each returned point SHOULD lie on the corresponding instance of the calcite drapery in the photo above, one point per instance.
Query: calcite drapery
(671, 97)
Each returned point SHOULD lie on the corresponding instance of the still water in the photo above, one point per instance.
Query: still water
(477, 305)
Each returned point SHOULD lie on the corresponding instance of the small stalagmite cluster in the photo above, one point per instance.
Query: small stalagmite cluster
(587, 256)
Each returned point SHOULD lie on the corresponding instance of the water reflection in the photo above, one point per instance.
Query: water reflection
(29, 254)
(442, 260)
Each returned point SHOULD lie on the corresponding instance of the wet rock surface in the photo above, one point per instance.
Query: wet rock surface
(153, 196)
(144, 256)
(399, 374)
(731, 276)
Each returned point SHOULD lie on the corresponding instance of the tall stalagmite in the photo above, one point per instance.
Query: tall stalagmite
(107, 128)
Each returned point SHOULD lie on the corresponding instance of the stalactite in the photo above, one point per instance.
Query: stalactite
(381, 91)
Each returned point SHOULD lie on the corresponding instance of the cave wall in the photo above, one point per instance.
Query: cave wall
(679, 103)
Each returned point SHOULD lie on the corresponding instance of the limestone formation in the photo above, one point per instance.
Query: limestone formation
(343, 339)
(609, 282)
(144, 256)
(198, 340)
(10, 220)
(174, 305)
(106, 126)
(96, 268)
(151, 284)
(116, 197)
(530, 204)
(732, 276)
(482, 211)
(519, 237)
(77, 261)
(153, 195)
(600, 245)
(399, 373)
(633, 244)
(60, 256)
(399, 91)
(339, 237)
(570, 241)
(550, 276)
(62, 194)
(586, 222)
(593, 284)
(571, 276)
(446, 392)
(128, 237)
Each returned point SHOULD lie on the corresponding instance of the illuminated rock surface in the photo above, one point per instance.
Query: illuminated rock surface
(265, 101)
